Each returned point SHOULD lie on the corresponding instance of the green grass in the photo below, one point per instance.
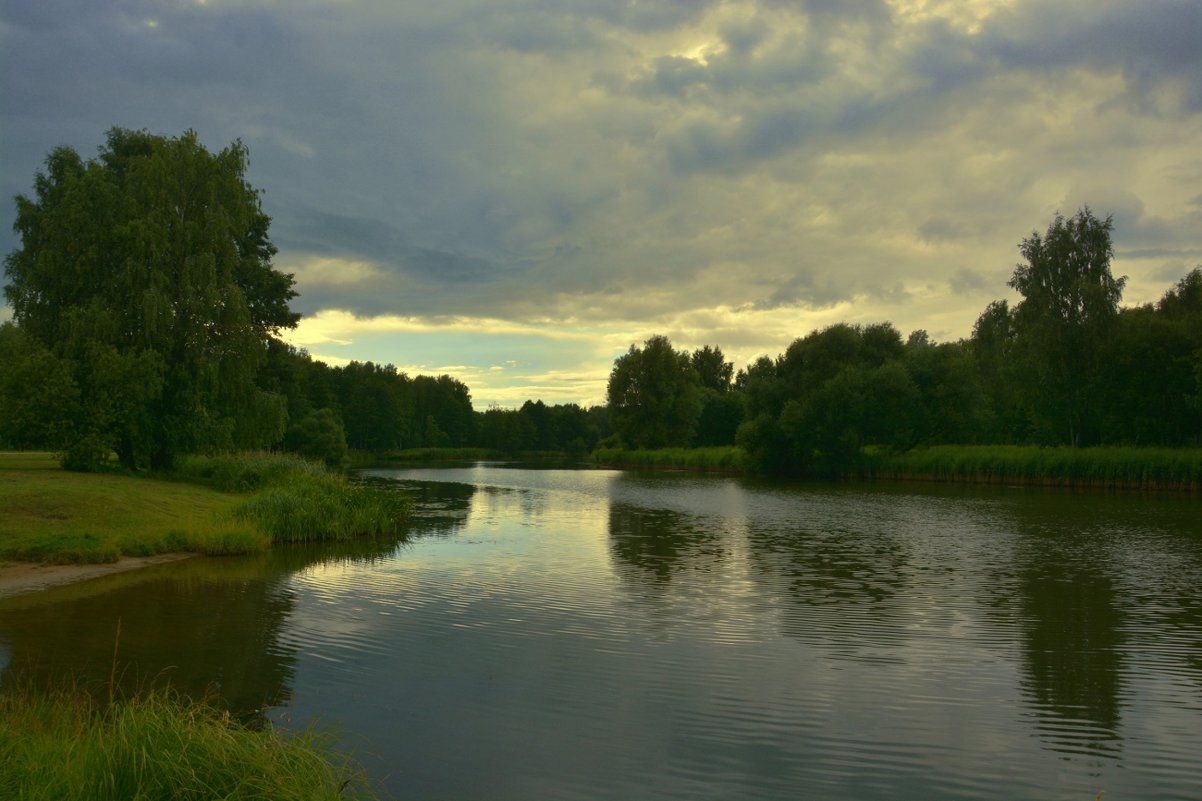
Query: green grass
(214, 506)
(1103, 467)
(717, 459)
(64, 746)
(56, 516)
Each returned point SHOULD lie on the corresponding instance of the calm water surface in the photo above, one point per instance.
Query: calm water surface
(573, 634)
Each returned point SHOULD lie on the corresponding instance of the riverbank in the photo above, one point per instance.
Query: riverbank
(107, 522)
(17, 578)
(1112, 468)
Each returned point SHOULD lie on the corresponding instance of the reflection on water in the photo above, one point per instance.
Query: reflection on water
(603, 635)
(660, 542)
(1073, 647)
(210, 628)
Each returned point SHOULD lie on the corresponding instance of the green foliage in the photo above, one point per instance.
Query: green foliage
(721, 414)
(66, 747)
(654, 395)
(442, 455)
(833, 392)
(319, 435)
(1069, 308)
(247, 472)
(147, 274)
(442, 408)
(1114, 467)
(39, 400)
(538, 428)
(376, 404)
(717, 459)
(295, 500)
(317, 509)
(713, 371)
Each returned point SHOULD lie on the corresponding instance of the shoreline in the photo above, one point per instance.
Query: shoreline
(20, 578)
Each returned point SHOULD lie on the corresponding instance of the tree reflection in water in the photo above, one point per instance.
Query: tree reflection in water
(207, 627)
(658, 543)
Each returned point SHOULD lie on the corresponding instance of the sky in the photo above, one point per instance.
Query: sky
(514, 192)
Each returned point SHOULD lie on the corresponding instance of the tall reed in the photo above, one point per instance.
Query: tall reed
(294, 500)
(1103, 467)
(728, 458)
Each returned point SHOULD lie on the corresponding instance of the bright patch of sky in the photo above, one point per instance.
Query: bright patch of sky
(514, 191)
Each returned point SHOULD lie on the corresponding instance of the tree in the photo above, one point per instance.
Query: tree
(148, 271)
(1070, 305)
(713, 370)
(319, 435)
(442, 413)
(654, 397)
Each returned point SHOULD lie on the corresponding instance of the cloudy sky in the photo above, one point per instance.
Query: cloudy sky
(514, 191)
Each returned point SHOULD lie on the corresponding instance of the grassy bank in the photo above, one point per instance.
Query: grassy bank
(1106, 468)
(728, 459)
(217, 505)
(66, 747)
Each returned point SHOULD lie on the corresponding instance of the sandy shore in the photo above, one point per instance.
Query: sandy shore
(20, 577)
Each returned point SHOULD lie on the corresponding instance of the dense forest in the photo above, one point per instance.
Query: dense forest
(148, 323)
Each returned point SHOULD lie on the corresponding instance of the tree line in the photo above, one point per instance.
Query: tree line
(148, 322)
(1064, 366)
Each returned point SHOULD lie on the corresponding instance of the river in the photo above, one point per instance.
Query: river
(595, 634)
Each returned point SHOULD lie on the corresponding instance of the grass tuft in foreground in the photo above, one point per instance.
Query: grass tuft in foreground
(63, 746)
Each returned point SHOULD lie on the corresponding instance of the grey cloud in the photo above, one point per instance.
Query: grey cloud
(1160, 253)
(966, 281)
(673, 75)
(803, 290)
(939, 229)
(743, 36)
(1149, 44)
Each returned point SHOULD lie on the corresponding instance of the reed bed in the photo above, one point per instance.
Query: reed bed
(246, 472)
(294, 500)
(66, 746)
(1101, 467)
(442, 455)
(727, 458)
